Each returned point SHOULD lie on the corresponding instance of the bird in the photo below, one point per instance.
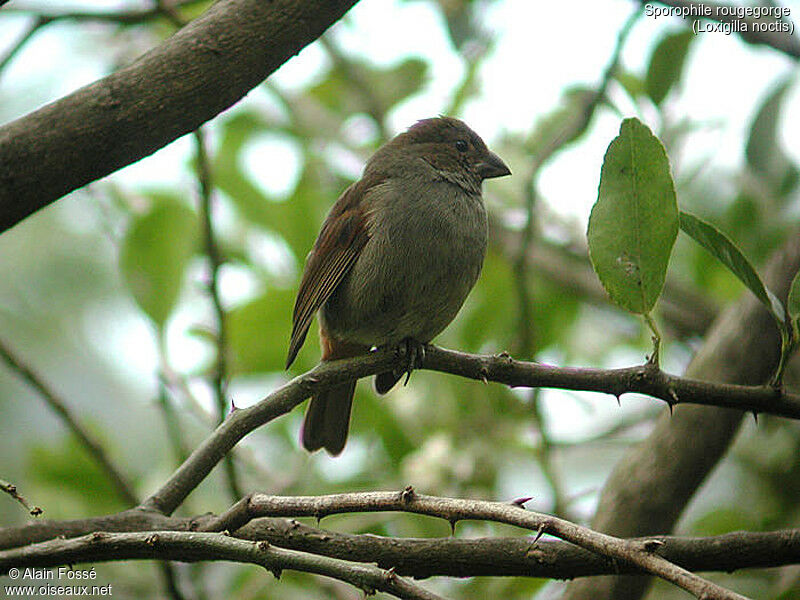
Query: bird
(395, 259)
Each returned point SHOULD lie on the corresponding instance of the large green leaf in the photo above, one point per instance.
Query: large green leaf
(634, 222)
(155, 252)
(724, 250)
(666, 64)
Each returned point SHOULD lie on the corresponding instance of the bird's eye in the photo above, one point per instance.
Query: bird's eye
(461, 146)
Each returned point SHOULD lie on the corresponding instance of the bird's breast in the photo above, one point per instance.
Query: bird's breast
(424, 255)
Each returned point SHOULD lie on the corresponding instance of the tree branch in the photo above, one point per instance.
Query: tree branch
(640, 554)
(10, 489)
(646, 379)
(220, 377)
(420, 558)
(453, 510)
(171, 90)
(195, 546)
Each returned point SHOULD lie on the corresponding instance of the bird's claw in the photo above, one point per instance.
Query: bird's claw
(415, 355)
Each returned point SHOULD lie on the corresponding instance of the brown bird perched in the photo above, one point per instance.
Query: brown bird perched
(397, 255)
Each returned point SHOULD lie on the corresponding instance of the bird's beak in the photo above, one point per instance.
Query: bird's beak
(492, 166)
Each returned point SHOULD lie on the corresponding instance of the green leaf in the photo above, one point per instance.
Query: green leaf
(154, 255)
(763, 151)
(666, 64)
(724, 250)
(258, 332)
(793, 305)
(64, 469)
(631, 83)
(566, 123)
(634, 222)
(359, 86)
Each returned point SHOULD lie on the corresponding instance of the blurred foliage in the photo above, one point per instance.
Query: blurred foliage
(155, 253)
(666, 64)
(106, 293)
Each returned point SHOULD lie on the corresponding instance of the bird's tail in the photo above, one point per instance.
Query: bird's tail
(327, 420)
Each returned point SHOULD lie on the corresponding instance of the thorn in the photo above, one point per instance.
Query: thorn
(619, 399)
(539, 534)
(484, 374)
(276, 572)
(233, 408)
(755, 416)
(521, 501)
(151, 540)
(262, 545)
(407, 495)
(453, 526)
(309, 381)
(674, 395)
(652, 545)
(670, 408)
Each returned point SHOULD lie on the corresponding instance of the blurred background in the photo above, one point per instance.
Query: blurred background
(106, 295)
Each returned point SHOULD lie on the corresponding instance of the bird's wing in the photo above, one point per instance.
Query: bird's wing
(343, 236)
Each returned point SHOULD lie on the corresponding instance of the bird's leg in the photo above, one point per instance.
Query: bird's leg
(415, 354)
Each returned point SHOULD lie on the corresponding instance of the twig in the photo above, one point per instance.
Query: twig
(645, 379)
(119, 17)
(171, 422)
(33, 28)
(452, 510)
(10, 489)
(195, 546)
(446, 556)
(93, 446)
(215, 262)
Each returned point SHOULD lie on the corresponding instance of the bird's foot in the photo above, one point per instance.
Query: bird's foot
(414, 353)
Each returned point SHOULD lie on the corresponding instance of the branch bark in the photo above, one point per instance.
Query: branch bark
(650, 487)
(421, 558)
(502, 368)
(642, 555)
(196, 546)
(171, 90)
